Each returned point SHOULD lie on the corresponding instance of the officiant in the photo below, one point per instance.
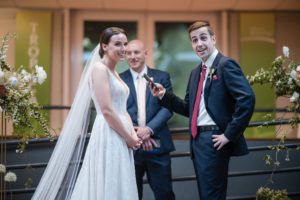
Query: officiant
(150, 120)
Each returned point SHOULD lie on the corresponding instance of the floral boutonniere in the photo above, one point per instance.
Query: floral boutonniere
(212, 74)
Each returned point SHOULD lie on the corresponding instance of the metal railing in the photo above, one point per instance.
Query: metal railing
(14, 143)
(266, 110)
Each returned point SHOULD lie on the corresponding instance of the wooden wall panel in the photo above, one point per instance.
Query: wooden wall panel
(158, 5)
(82, 4)
(168, 5)
(37, 3)
(125, 5)
(212, 5)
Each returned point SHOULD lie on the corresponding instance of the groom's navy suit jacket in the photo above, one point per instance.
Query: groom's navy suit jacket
(229, 100)
(156, 115)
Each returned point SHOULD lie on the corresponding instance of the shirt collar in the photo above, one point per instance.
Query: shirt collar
(211, 59)
(135, 74)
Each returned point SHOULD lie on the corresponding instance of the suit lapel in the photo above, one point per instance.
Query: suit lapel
(148, 93)
(214, 68)
(130, 84)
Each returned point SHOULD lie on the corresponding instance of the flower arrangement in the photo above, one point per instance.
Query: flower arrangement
(284, 77)
(17, 98)
(8, 177)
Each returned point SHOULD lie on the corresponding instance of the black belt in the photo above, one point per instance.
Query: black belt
(208, 128)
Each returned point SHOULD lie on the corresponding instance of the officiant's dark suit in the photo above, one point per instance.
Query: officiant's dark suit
(157, 162)
(229, 102)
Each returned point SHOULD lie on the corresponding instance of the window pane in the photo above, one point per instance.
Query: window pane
(173, 53)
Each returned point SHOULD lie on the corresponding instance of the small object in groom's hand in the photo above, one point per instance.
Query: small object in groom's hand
(155, 142)
(150, 81)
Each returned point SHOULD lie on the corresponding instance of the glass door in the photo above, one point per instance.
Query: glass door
(172, 51)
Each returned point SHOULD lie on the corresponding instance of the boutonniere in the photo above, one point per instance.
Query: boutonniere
(212, 74)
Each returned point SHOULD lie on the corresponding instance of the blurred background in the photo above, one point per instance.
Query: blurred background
(60, 34)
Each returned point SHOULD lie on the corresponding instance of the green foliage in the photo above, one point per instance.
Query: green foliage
(265, 193)
(284, 77)
(17, 98)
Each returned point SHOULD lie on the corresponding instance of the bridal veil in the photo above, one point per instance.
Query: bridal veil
(61, 172)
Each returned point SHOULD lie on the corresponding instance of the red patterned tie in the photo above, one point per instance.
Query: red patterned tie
(197, 102)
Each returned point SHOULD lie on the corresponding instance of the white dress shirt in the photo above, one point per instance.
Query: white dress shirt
(135, 76)
(203, 117)
(135, 82)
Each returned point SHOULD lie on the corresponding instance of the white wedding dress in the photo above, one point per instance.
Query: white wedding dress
(107, 172)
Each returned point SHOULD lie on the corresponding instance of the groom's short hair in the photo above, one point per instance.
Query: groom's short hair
(199, 24)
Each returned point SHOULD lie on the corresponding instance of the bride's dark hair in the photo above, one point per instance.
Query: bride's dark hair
(107, 34)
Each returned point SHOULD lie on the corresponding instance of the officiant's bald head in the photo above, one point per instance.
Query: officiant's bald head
(136, 54)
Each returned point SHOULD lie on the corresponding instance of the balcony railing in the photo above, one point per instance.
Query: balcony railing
(10, 144)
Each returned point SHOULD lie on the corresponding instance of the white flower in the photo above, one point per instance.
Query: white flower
(290, 81)
(10, 177)
(298, 68)
(285, 51)
(278, 83)
(3, 57)
(2, 169)
(1, 74)
(41, 74)
(293, 74)
(278, 58)
(27, 78)
(294, 97)
(211, 72)
(19, 151)
(24, 72)
(25, 91)
(13, 80)
(1, 110)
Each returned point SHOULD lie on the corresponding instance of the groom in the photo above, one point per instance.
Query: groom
(150, 120)
(219, 103)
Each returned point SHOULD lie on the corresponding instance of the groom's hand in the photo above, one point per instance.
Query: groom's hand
(149, 144)
(143, 132)
(219, 141)
(159, 92)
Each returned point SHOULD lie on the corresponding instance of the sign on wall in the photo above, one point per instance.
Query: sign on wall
(33, 47)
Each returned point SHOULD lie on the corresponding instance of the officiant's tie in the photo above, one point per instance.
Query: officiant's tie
(141, 100)
(197, 102)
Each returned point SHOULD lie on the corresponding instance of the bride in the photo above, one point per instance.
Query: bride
(107, 171)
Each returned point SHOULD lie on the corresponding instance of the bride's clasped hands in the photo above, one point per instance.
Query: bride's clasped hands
(133, 141)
